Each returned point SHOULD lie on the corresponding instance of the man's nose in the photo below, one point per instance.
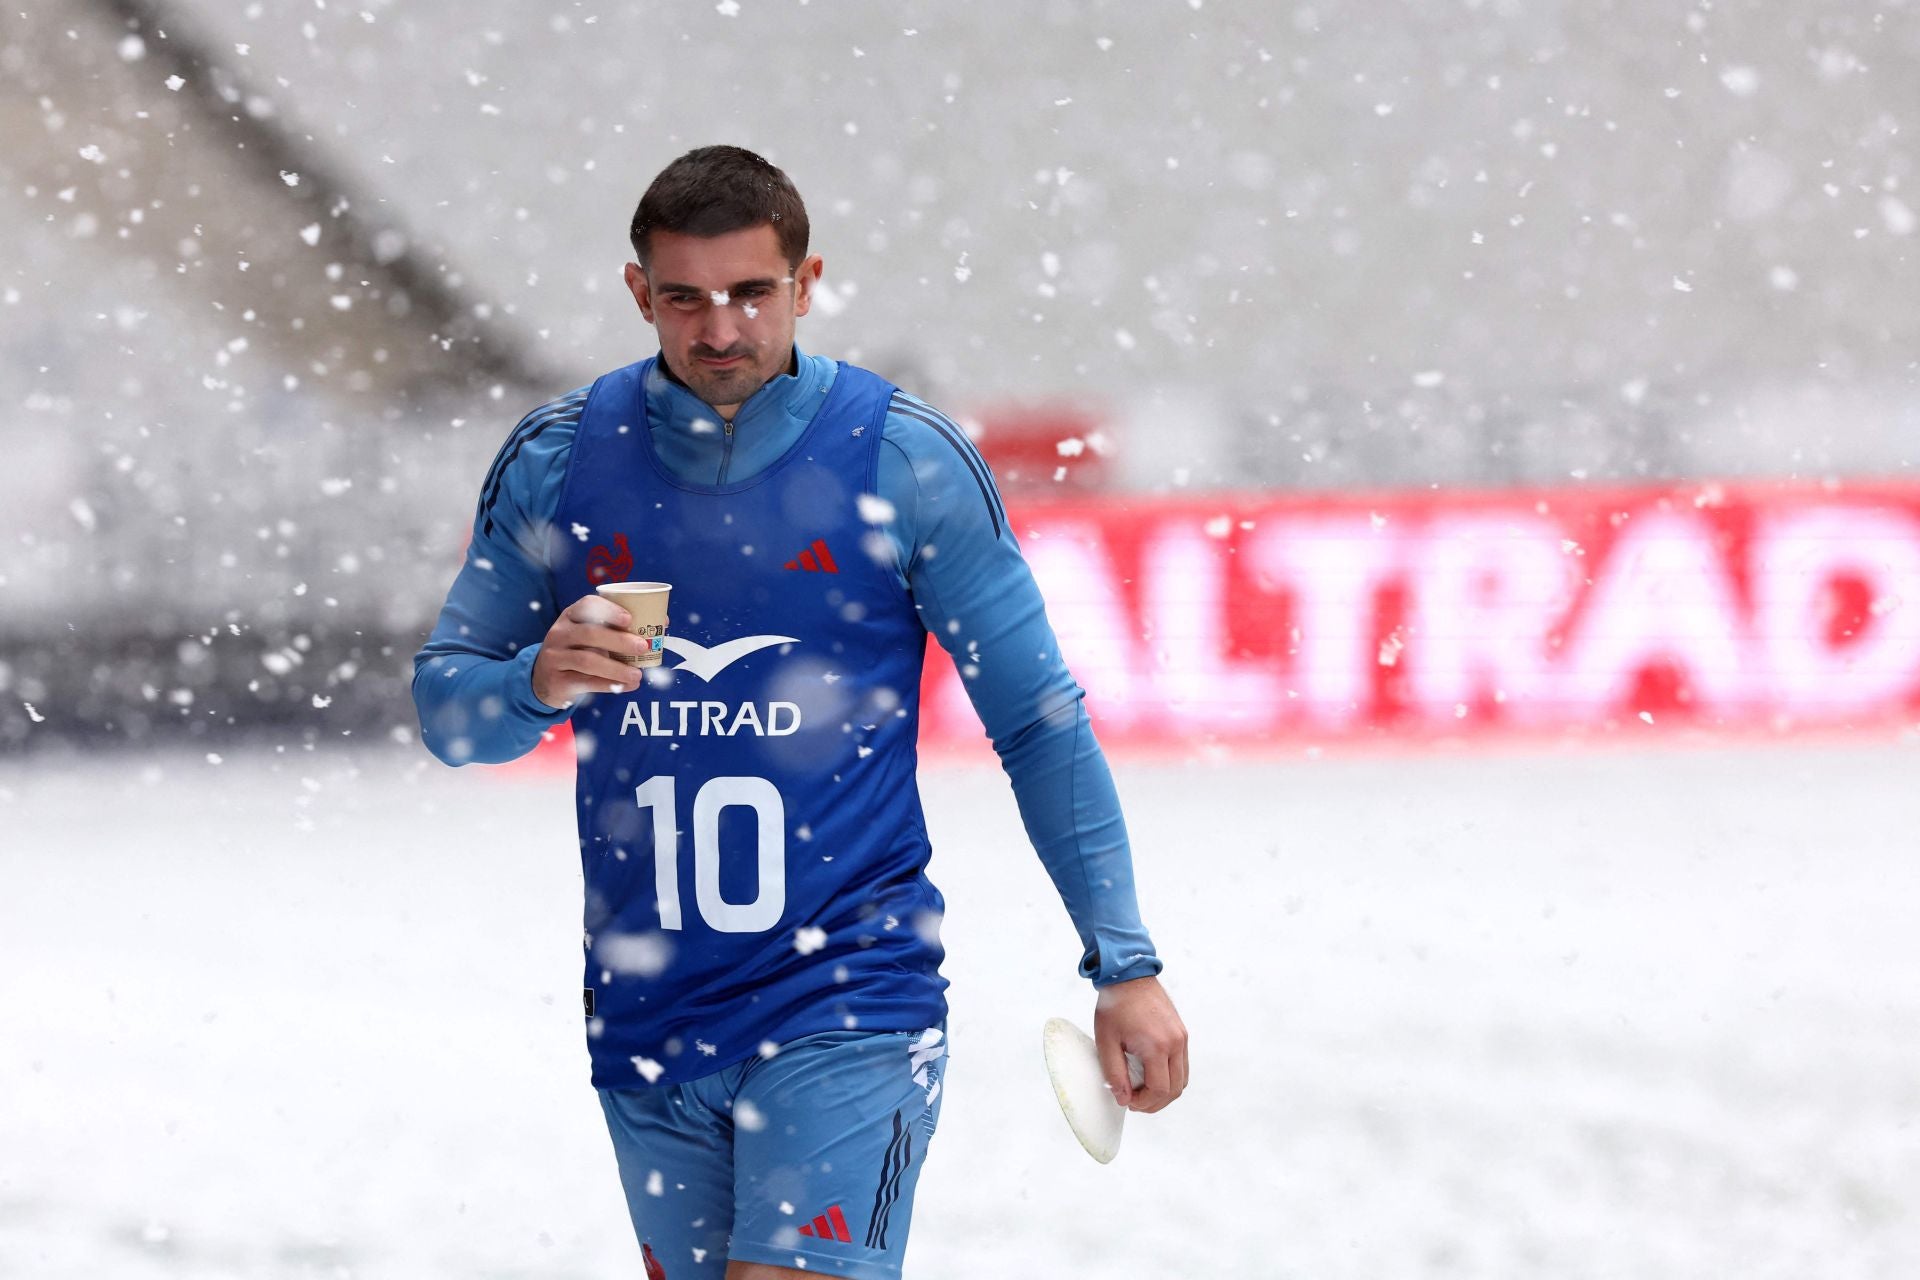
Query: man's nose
(721, 328)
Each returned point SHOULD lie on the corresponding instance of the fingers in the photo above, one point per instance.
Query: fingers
(561, 676)
(1113, 1065)
(605, 640)
(598, 670)
(1158, 1090)
(597, 610)
(1137, 1017)
(583, 653)
(564, 670)
(596, 623)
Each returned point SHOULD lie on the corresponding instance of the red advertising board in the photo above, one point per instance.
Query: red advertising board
(1259, 618)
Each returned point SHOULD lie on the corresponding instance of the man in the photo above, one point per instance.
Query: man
(765, 1009)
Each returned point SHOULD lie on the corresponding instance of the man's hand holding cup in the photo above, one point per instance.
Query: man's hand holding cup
(601, 643)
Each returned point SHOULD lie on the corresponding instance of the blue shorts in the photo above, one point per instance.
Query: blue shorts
(804, 1159)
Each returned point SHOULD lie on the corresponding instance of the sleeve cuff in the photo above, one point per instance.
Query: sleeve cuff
(525, 701)
(1139, 965)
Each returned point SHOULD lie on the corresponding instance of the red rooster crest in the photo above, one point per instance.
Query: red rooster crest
(610, 566)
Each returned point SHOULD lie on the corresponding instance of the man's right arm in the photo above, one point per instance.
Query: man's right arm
(473, 680)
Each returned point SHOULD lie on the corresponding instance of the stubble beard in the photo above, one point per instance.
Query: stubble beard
(727, 386)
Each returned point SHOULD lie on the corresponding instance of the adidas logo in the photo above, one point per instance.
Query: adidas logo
(831, 1225)
(815, 559)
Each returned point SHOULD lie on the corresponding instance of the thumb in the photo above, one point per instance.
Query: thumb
(1113, 1066)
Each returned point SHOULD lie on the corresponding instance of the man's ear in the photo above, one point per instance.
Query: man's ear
(805, 276)
(637, 286)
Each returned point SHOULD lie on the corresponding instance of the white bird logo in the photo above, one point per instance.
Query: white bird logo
(698, 660)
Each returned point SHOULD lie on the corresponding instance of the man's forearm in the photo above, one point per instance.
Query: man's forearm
(479, 710)
(1072, 815)
(978, 599)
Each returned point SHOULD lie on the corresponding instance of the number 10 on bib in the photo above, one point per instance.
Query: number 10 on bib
(770, 813)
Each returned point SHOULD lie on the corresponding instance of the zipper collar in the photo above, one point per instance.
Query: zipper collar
(699, 446)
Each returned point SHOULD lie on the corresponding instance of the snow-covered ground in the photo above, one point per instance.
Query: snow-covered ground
(1509, 1014)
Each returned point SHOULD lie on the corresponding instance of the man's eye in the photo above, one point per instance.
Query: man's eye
(753, 294)
(682, 300)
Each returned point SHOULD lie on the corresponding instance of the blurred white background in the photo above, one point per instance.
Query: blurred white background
(284, 998)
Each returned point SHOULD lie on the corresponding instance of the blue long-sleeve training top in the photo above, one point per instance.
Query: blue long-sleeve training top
(953, 548)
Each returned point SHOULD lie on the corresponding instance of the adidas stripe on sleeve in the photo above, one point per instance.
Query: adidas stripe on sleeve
(979, 601)
(473, 679)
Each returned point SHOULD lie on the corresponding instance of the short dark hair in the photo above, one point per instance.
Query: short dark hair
(713, 190)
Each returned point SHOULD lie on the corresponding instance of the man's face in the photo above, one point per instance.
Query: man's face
(724, 307)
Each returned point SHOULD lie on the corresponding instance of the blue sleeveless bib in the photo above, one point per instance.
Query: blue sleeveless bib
(750, 824)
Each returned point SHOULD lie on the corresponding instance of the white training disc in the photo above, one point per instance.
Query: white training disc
(1073, 1064)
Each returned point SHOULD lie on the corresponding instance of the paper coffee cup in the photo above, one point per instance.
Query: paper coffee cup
(646, 604)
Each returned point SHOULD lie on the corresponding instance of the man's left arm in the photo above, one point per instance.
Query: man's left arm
(978, 599)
